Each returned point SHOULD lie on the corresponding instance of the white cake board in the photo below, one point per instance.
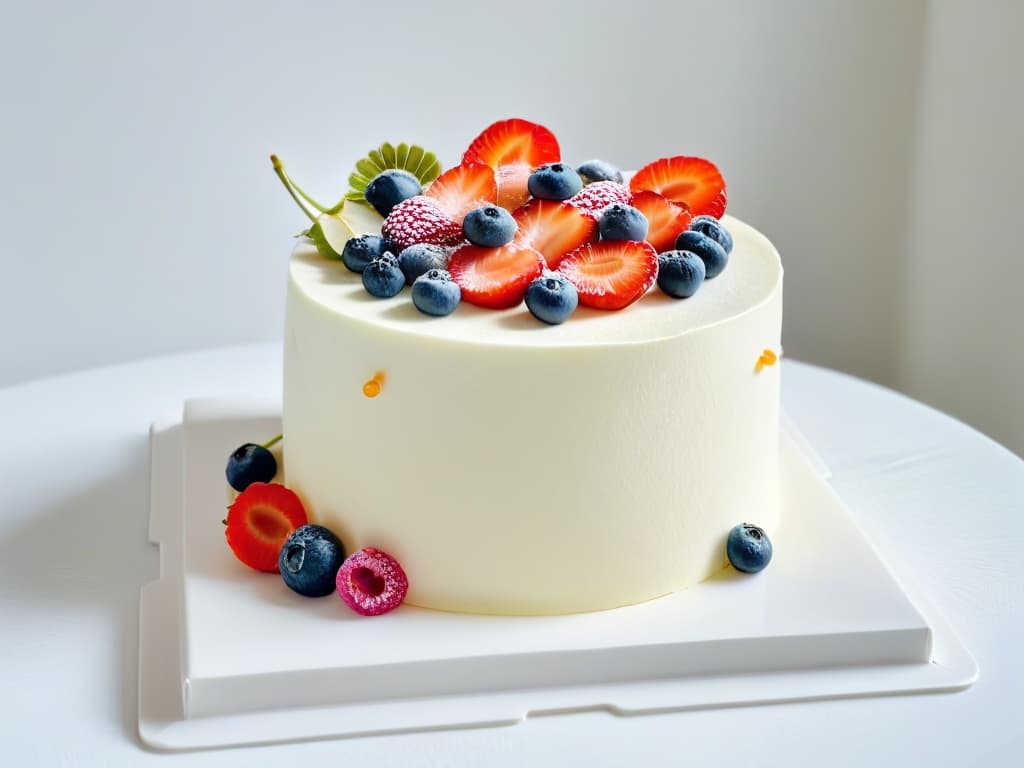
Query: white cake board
(230, 657)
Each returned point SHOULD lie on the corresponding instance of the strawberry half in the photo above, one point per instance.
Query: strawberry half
(513, 148)
(611, 274)
(691, 181)
(459, 190)
(665, 219)
(263, 516)
(554, 228)
(496, 278)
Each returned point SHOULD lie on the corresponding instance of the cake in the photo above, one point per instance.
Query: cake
(514, 466)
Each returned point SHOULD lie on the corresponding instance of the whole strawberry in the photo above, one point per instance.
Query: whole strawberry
(420, 220)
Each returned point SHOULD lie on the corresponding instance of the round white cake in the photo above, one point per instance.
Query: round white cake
(519, 468)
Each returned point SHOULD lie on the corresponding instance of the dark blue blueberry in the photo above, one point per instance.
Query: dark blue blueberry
(680, 273)
(389, 188)
(554, 181)
(383, 278)
(713, 228)
(714, 255)
(490, 226)
(551, 298)
(361, 250)
(622, 222)
(599, 170)
(420, 258)
(250, 463)
(435, 293)
(748, 548)
(310, 559)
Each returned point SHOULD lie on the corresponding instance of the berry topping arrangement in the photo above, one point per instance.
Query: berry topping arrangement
(513, 222)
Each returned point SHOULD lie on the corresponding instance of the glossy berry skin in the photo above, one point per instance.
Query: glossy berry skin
(435, 293)
(250, 463)
(383, 278)
(713, 228)
(599, 170)
(622, 222)
(714, 256)
(554, 181)
(551, 298)
(389, 188)
(420, 258)
(360, 251)
(310, 559)
(490, 226)
(680, 273)
(749, 548)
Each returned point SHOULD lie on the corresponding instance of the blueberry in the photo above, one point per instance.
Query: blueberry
(680, 273)
(310, 559)
(748, 548)
(420, 258)
(554, 181)
(622, 222)
(551, 298)
(382, 277)
(490, 226)
(360, 251)
(599, 170)
(713, 228)
(389, 188)
(250, 463)
(435, 293)
(710, 251)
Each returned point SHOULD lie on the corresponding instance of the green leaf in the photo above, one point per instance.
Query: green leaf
(368, 168)
(377, 158)
(405, 157)
(390, 157)
(357, 181)
(401, 155)
(429, 172)
(412, 162)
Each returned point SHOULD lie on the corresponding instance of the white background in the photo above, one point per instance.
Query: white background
(877, 144)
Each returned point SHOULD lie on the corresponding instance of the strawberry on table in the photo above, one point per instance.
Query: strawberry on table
(459, 190)
(690, 181)
(554, 228)
(611, 274)
(665, 219)
(513, 148)
(260, 521)
(496, 278)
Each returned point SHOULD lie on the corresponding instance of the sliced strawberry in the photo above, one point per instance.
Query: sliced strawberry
(554, 228)
(262, 517)
(461, 189)
(496, 278)
(611, 274)
(692, 181)
(513, 148)
(665, 219)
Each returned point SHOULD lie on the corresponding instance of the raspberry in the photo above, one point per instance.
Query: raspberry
(595, 197)
(371, 582)
(420, 220)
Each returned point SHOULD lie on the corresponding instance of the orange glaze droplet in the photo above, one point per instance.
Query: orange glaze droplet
(767, 358)
(373, 387)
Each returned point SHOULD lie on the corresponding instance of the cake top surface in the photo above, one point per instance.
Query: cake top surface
(754, 274)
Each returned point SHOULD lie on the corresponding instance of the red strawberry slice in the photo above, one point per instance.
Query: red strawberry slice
(611, 274)
(262, 517)
(554, 228)
(461, 189)
(513, 148)
(692, 181)
(665, 219)
(496, 278)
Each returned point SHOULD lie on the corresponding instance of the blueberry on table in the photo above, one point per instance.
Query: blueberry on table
(310, 559)
(389, 188)
(361, 250)
(680, 273)
(490, 226)
(435, 293)
(748, 548)
(551, 298)
(250, 463)
(713, 228)
(619, 221)
(554, 181)
(383, 278)
(714, 255)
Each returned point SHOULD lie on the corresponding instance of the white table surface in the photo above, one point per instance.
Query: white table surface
(942, 503)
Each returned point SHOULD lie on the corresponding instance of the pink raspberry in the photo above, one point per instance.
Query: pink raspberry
(420, 220)
(595, 197)
(371, 582)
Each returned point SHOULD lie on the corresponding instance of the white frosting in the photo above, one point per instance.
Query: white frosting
(513, 467)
